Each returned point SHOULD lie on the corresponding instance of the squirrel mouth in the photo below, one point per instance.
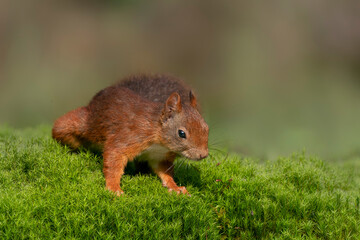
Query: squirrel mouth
(195, 156)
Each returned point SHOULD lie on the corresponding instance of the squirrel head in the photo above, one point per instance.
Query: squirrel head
(184, 130)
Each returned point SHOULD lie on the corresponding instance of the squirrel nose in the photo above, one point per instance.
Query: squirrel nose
(204, 154)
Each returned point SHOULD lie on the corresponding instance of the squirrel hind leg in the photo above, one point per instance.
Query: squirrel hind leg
(70, 128)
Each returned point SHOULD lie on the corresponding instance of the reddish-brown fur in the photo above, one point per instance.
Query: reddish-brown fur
(140, 116)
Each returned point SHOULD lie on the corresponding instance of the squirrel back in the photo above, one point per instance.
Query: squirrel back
(156, 88)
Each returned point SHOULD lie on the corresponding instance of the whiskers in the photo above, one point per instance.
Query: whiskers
(217, 146)
(217, 149)
(170, 168)
(217, 140)
(181, 162)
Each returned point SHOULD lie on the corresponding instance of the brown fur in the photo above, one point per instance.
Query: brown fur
(139, 115)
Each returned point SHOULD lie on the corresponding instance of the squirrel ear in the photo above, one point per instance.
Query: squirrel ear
(172, 105)
(193, 101)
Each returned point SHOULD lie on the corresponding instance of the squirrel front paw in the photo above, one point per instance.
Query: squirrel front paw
(179, 190)
(117, 191)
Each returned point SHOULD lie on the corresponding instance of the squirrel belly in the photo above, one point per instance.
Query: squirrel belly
(154, 155)
(152, 117)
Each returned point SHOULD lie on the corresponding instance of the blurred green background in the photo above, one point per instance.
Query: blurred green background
(273, 77)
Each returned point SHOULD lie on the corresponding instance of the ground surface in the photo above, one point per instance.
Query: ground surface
(46, 192)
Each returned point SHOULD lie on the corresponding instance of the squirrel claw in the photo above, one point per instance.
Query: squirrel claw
(180, 190)
(119, 193)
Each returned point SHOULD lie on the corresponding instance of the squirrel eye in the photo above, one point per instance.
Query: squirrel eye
(182, 134)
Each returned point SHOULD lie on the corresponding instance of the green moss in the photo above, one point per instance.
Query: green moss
(48, 192)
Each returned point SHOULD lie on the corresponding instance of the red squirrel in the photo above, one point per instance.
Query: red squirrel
(153, 117)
